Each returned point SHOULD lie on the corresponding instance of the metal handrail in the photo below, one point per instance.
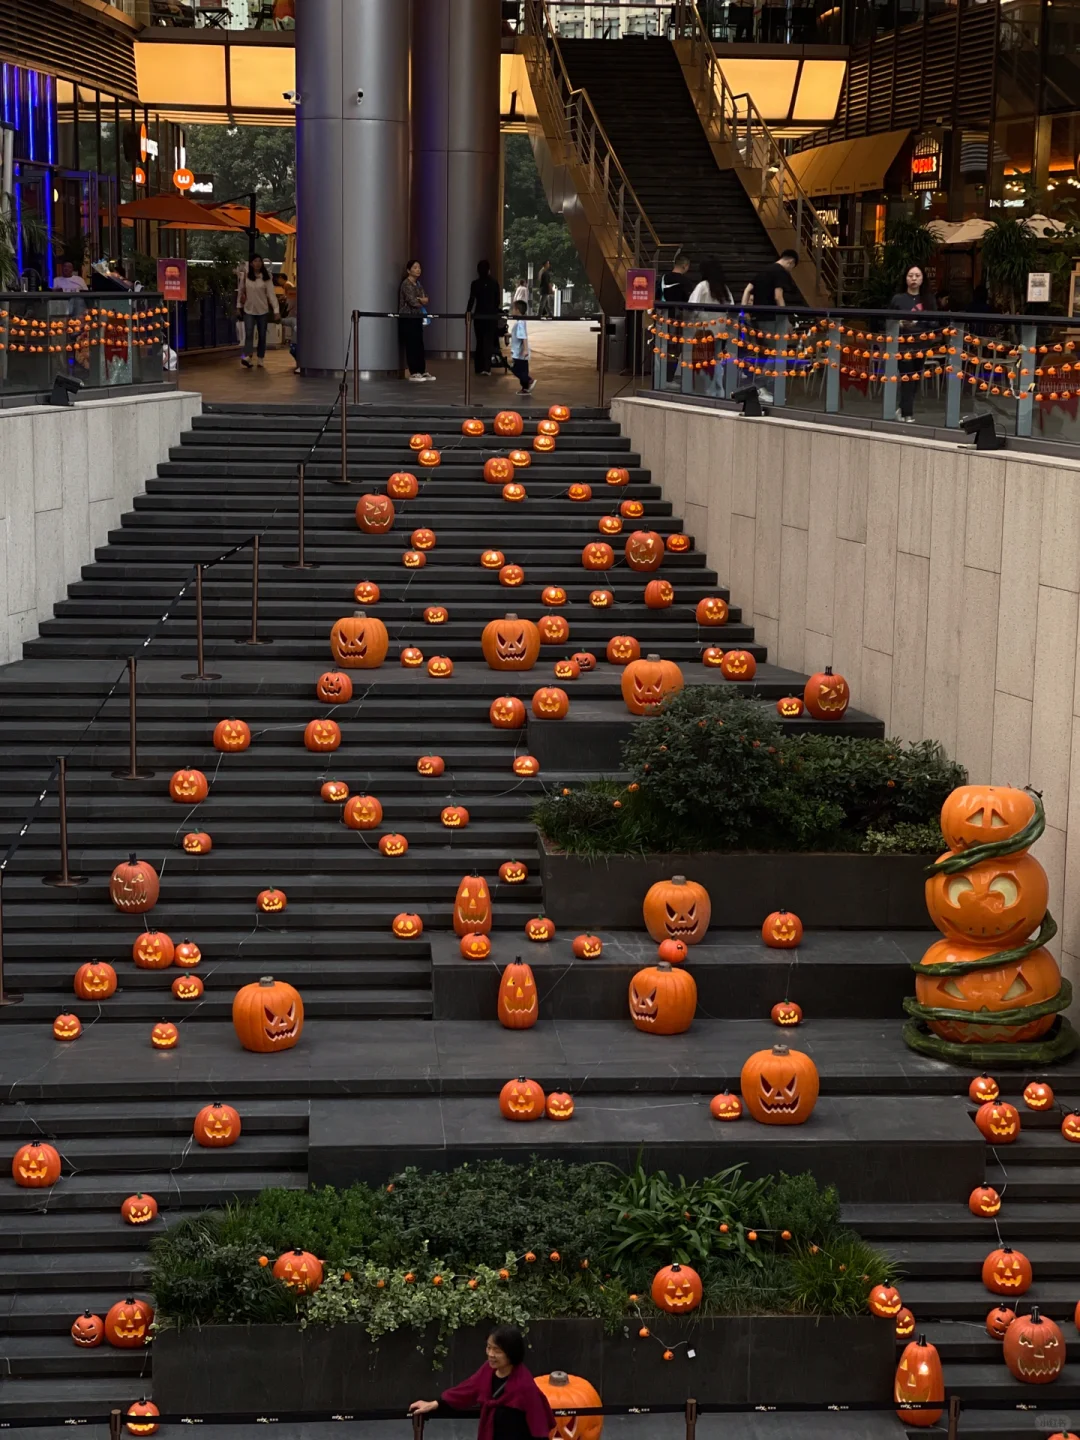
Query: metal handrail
(735, 119)
(582, 134)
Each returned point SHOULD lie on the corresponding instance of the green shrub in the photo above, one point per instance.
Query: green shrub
(834, 1279)
(906, 838)
(713, 771)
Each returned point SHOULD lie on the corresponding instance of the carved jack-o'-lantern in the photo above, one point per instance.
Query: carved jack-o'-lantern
(621, 649)
(362, 812)
(585, 658)
(673, 951)
(507, 712)
(127, 1324)
(566, 670)
(713, 657)
(662, 1000)
(904, 1324)
(617, 475)
(544, 444)
(559, 412)
(413, 559)
(88, 1330)
(884, 1301)
(217, 1126)
(609, 525)
(393, 845)
(514, 491)
(189, 787)
(475, 947)
(978, 995)
(1034, 1348)
(472, 906)
(1038, 1095)
(454, 817)
(375, 513)
(139, 1209)
(164, 1036)
(918, 1381)
(272, 901)
(782, 930)
(677, 1289)
(726, 1106)
(423, 539)
(646, 683)
(359, 641)
(998, 1321)
(1070, 1126)
(540, 929)
(513, 872)
(659, 594)
(738, 665)
(587, 947)
(995, 902)
(267, 1015)
(984, 1087)
(429, 459)
(1006, 1272)
(712, 610)
(95, 980)
(512, 576)
(188, 955)
(985, 814)
(402, 485)
(440, 667)
(498, 470)
(789, 707)
(519, 1005)
(998, 1122)
(559, 1105)
(677, 909)
(826, 696)
(187, 988)
(334, 792)
(598, 555)
(35, 1166)
(678, 543)
(436, 615)
(472, 427)
(510, 643)
(521, 1099)
(493, 559)
(550, 703)
(334, 688)
(430, 765)
(601, 599)
(553, 595)
(407, 925)
(644, 550)
(298, 1269)
(508, 423)
(419, 442)
(322, 735)
(579, 491)
(984, 1200)
(631, 509)
(520, 459)
(547, 427)
(526, 765)
(231, 735)
(153, 950)
(412, 658)
(66, 1027)
(780, 1086)
(553, 629)
(786, 1013)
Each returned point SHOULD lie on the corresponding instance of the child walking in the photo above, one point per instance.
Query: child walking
(519, 347)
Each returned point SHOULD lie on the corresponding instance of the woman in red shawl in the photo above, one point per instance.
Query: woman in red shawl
(511, 1405)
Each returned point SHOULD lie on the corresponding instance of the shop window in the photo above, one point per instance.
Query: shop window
(88, 125)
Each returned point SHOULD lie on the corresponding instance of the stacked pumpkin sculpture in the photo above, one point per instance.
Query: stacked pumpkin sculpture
(989, 991)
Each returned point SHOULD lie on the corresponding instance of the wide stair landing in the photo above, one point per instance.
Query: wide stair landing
(121, 1113)
(689, 199)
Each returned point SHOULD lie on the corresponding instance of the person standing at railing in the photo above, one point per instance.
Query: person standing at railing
(412, 307)
(675, 290)
(485, 303)
(711, 289)
(512, 1406)
(773, 285)
(915, 298)
(257, 302)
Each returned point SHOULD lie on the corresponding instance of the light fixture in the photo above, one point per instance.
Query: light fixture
(982, 428)
(747, 396)
(64, 389)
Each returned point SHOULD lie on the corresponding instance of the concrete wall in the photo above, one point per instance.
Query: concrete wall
(66, 477)
(942, 583)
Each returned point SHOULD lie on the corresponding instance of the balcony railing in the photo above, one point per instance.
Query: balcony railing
(212, 14)
(104, 340)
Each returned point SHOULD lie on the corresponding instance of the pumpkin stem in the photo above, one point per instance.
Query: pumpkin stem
(677, 879)
(1034, 1317)
(780, 1050)
(654, 658)
(558, 1377)
(921, 1340)
(266, 981)
(663, 965)
(132, 857)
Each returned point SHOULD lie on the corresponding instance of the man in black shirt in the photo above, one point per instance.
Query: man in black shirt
(674, 290)
(773, 286)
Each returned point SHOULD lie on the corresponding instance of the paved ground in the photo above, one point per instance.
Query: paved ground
(564, 362)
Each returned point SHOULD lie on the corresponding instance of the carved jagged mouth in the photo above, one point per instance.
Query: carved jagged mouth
(1036, 1368)
(281, 1027)
(512, 649)
(1010, 1281)
(780, 1107)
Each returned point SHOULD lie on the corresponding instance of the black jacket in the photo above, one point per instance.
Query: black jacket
(485, 298)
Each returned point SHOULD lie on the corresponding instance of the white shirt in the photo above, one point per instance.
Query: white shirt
(702, 295)
(522, 293)
(70, 284)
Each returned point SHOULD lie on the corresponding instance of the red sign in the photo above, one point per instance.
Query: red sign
(172, 278)
(640, 289)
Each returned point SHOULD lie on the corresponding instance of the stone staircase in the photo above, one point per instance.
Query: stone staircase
(360, 1096)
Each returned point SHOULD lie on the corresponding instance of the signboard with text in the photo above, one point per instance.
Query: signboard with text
(1038, 287)
(640, 289)
(172, 278)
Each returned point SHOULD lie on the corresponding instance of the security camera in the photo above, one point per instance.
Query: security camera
(291, 96)
(359, 96)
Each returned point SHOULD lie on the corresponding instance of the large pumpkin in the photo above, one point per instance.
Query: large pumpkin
(267, 1015)
(826, 696)
(571, 1392)
(95, 980)
(519, 1004)
(35, 1166)
(644, 550)
(985, 815)
(780, 1086)
(359, 641)
(677, 909)
(919, 1381)
(983, 992)
(677, 1289)
(375, 514)
(1006, 1272)
(996, 902)
(646, 682)
(216, 1126)
(472, 906)
(998, 1122)
(659, 594)
(662, 1000)
(521, 1099)
(1034, 1348)
(498, 470)
(133, 886)
(510, 643)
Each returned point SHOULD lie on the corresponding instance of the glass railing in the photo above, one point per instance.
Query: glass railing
(211, 14)
(934, 369)
(779, 22)
(102, 339)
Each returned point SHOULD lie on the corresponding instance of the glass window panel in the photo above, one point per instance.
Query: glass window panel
(87, 157)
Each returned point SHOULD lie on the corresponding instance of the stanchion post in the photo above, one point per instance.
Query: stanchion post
(356, 357)
(691, 1420)
(954, 1416)
(602, 358)
(6, 997)
(300, 563)
(64, 880)
(115, 1424)
(253, 638)
(468, 347)
(418, 1427)
(344, 433)
(132, 772)
(200, 666)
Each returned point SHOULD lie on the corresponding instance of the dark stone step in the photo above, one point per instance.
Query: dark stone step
(146, 1008)
(173, 1190)
(68, 1120)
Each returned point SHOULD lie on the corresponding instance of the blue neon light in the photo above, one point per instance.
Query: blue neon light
(31, 109)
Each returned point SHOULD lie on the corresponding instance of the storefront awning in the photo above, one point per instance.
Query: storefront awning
(847, 167)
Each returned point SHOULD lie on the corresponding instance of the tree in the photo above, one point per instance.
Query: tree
(532, 230)
(243, 158)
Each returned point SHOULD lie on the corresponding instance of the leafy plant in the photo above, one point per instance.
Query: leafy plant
(36, 239)
(908, 242)
(834, 1279)
(1009, 251)
(654, 1220)
(905, 838)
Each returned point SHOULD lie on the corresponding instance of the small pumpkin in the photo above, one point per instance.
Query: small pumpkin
(884, 1301)
(560, 413)
(659, 594)
(526, 765)
(366, 592)
(362, 812)
(544, 444)
(321, 736)
(88, 1331)
(507, 712)
(393, 845)
(519, 1003)
(587, 947)
(712, 610)
(197, 842)
(677, 909)
(334, 688)
(679, 543)
(738, 665)
(585, 659)
(153, 950)
(789, 707)
(621, 649)
(598, 555)
(1070, 1129)
(782, 930)
(579, 491)
(268, 1015)
(217, 1126)
(189, 787)
(430, 765)
(455, 817)
(713, 657)
(188, 955)
(334, 792)
(492, 559)
(673, 951)
(139, 1209)
(553, 595)
(998, 1321)
(998, 1121)
(299, 1270)
(440, 667)
(187, 988)
(1038, 1095)
(904, 1324)
(423, 539)
(436, 615)
(429, 459)
(726, 1106)
(475, 947)
(826, 696)
(520, 459)
(513, 872)
(617, 475)
(498, 470)
(508, 423)
(512, 576)
(521, 1099)
(138, 1418)
(1006, 1271)
(540, 929)
(786, 1013)
(566, 670)
(550, 703)
(472, 427)
(553, 629)
(403, 485)
(662, 1000)
(231, 735)
(984, 1201)
(420, 441)
(631, 509)
(164, 1036)
(677, 1289)
(35, 1166)
(94, 980)
(412, 658)
(559, 1105)
(413, 559)
(983, 1088)
(407, 925)
(609, 525)
(272, 901)
(127, 1324)
(66, 1027)
(601, 599)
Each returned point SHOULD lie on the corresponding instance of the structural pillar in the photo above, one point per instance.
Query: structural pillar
(456, 153)
(352, 178)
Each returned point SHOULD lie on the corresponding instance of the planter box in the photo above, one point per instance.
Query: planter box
(835, 892)
(753, 1359)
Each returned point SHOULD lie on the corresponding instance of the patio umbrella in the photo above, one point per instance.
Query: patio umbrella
(177, 212)
(265, 224)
